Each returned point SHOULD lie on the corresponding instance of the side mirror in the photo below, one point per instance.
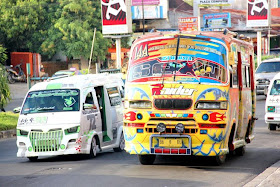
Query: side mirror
(89, 106)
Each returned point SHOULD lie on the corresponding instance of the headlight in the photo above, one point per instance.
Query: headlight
(22, 132)
(211, 105)
(72, 130)
(140, 104)
(270, 108)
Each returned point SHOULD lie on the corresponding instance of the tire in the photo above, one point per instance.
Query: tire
(272, 127)
(10, 78)
(240, 151)
(121, 144)
(219, 159)
(93, 148)
(33, 159)
(146, 159)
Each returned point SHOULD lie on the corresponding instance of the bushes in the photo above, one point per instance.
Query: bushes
(5, 94)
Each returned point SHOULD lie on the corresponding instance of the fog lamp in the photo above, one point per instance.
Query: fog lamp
(161, 127)
(180, 128)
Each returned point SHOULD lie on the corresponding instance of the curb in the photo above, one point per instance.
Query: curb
(8, 134)
(269, 177)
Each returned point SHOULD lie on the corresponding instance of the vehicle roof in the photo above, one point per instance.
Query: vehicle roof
(76, 82)
(272, 60)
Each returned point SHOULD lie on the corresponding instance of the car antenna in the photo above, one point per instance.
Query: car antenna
(176, 57)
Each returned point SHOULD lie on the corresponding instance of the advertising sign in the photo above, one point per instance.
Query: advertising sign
(145, 2)
(257, 13)
(188, 24)
(218, 20)
(150, 12)
(215, 2)
(114, 17)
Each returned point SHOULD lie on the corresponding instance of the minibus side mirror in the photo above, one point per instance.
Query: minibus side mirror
(89, 106)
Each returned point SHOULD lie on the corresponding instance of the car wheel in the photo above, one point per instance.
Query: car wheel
(121, 144)
(93, 148)
(33, 159)
(272, 127)
(146, 159)
(219, 159)
(240, 151)
(10, 79)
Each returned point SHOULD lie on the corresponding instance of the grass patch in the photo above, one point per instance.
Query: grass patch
(8, 120)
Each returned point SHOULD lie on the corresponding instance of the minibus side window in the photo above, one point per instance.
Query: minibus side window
(114, 96)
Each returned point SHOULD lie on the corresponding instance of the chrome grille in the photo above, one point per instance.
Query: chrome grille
(46, 141)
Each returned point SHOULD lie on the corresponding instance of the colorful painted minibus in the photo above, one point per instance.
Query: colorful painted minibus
(189, 93)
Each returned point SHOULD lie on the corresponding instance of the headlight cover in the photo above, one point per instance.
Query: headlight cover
(220, 105)
(140, 104)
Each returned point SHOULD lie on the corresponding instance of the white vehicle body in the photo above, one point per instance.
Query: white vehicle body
(82, 114)
(272, 104)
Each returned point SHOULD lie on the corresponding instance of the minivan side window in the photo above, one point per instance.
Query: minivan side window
(114, 96)
(89, 99)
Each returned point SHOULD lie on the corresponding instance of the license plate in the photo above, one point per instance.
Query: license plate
(170, 142)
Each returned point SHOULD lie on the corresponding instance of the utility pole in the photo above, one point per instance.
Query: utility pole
(143, 17)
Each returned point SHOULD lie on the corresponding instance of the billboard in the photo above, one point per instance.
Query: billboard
(188, 24)
(115, 19)
(145, 2)
(218, 20)
(150, 12)
(257, 13)
(215, 2)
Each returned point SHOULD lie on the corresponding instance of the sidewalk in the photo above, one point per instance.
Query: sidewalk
(270, 177)
(18, 92)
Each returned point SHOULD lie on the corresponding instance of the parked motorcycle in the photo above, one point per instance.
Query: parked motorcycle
(16, 74)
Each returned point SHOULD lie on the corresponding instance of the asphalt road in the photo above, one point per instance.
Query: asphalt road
(121, 169)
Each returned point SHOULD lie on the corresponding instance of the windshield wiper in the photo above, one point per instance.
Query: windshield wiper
(176, 57)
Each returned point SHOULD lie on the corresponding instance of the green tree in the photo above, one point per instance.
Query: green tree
(5, 94)
(23, 24)
(73, 30)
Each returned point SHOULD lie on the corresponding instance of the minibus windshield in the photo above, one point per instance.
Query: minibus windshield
(197, 60)
(58, 100)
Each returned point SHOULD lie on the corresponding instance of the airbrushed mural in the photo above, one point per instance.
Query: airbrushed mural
(178, 96)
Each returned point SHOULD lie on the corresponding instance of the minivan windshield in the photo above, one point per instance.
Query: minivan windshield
(268, 67)
(275, 89)
(58, 100)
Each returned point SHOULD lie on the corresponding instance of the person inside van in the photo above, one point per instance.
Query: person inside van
(275, 89)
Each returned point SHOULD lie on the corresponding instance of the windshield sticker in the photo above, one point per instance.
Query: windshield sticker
(160, 90)
(64, 93)
(69, 102)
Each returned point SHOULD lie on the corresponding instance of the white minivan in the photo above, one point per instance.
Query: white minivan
(272, 105)
(80, 114)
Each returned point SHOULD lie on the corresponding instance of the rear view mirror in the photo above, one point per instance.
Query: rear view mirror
(89, 106)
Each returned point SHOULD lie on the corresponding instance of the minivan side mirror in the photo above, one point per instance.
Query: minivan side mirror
(89, 106)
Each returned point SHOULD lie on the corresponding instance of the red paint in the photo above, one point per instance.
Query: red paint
(216, 117)
(136, 124)
(157, 88)
(131, 116)
(174, 151)
(166, 151)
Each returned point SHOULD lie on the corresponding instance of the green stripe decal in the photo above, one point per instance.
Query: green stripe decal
(54, 86)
